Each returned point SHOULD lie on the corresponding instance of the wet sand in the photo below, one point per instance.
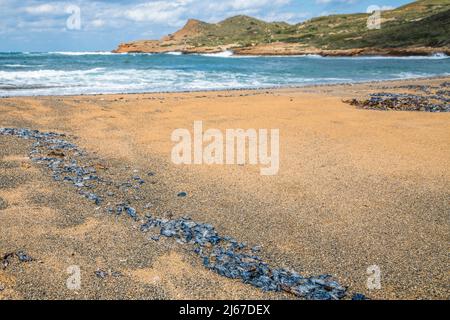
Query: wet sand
(355, 188)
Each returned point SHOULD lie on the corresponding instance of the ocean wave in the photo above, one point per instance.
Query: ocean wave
(15, 66)
(156, 73)
(437, 56)
(174, 53)
(136, 54)
(281, 56)
(223, 54)
(45, 73)
(416, 75)
(84, 53)
(31, 87)
(98, 80)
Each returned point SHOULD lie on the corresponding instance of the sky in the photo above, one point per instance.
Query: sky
(100, 25)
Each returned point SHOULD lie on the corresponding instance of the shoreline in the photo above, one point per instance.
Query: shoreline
(424, 55)
(260, 89)
(283, 50)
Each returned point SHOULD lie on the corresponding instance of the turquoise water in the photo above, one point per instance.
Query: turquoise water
(87, 73)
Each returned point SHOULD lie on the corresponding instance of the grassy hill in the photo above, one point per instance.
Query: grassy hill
(424, 23)
(242, 30)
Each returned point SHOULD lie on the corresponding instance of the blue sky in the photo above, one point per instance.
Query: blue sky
(33, 25)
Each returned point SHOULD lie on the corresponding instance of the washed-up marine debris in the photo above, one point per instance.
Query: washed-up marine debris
(102, 274)
(22, 256)
(3, 204)
(359, 297)
(434, 99)
(223, 255)
(232, 259)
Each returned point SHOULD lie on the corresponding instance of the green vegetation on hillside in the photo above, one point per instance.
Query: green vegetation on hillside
(421, 23)
(241, 30)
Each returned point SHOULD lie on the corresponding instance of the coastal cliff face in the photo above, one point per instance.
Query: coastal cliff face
(419, 28)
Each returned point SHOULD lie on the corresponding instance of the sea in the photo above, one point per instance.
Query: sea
(74, 73)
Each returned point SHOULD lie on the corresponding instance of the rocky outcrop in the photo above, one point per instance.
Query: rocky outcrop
(294, 49)
(274, 49)
(180, 41)
(155, 46)
(189, 31)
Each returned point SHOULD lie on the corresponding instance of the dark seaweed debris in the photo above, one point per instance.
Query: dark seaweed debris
(434, 99)
(21, 255)
(232, 259)
(106, 274)
(223, 255)
(3, 204)
(359, 297)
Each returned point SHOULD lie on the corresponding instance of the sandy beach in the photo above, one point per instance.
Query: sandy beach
(355, 188)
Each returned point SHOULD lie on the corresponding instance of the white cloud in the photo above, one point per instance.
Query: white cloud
(254, 4)
(126, 20)
(97, 23)
(42, 9)
(289, 17)
(386, 8)
(335, 1)
(157, 12)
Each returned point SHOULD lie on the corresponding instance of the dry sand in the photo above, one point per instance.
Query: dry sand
(355, 188)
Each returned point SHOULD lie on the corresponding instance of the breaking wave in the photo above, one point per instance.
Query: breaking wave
(62, 73)
(223, 54)
(174, 53)
(84, 53)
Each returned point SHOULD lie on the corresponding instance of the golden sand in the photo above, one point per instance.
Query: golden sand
(355, 188)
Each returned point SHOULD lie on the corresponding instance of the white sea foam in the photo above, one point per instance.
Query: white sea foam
(440, 56)
(437, 56)
(415, 75)
(98, 80)
(44, 74)
(15, 66)
(223, 54)
(174, 53)
(137, 53)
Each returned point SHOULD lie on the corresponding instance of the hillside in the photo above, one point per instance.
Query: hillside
(421, 27)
